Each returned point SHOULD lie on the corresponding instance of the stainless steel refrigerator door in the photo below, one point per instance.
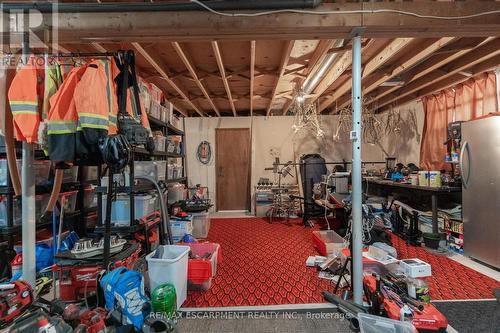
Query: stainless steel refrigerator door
(481, 189)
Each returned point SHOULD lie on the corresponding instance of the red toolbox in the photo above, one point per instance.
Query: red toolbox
(202, 264)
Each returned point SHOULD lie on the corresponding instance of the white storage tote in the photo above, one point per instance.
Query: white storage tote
(169, 264)
(120, 211)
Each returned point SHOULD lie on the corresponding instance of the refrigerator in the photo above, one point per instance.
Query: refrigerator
(480, 171)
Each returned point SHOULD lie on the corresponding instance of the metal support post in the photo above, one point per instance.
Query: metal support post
(357, 220)
(28, 190)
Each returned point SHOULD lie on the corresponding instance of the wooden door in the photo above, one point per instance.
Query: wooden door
(232, 167)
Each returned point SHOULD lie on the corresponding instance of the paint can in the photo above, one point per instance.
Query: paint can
(434, 178)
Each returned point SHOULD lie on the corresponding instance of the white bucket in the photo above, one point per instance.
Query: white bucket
(169, 264)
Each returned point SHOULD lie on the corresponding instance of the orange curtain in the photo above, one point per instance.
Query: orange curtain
(474, 98)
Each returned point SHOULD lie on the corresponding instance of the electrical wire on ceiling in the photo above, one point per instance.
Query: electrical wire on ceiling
(346, 12)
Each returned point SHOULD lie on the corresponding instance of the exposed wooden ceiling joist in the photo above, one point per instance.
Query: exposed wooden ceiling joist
(375, 62)
(222, 70)
(202, 25)
(177, 47)
(412, 57)
(450, 81)
(155, 61)
(321, 50)
(464, 45)
(478, 55)
(284, 61)
(252, 73)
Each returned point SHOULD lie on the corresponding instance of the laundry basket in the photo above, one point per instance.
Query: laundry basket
(169, 264)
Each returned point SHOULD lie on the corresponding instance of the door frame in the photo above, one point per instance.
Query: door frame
(249, 185)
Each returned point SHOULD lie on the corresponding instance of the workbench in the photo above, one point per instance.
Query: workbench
(386, 186)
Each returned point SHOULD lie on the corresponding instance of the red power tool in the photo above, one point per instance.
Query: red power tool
(15, 297)
(426, 318)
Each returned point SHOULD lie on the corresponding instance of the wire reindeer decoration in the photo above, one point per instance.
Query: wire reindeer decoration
(306, 117)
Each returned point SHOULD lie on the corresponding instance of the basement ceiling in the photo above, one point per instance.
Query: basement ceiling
(236, 78)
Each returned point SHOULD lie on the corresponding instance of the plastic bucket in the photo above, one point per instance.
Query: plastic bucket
(169, 264)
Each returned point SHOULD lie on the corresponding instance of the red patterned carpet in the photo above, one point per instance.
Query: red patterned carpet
(264, 264)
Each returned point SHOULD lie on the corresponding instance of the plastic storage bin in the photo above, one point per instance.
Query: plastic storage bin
(169, 264)
(376, 324)
(71, 175)
(40, 206)
(201, 266)
(69, 201)
(328, 242)
(160, 142)
(4, 174)
(89, 173)
(201, 224)
(89, 197)
(120, 211)
(170, 171)
(42, 170)
(181, 227)
(161, 169)
(145, 168)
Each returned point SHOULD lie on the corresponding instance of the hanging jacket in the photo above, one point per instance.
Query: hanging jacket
(95, 102)
(63, 118)
(25, 98)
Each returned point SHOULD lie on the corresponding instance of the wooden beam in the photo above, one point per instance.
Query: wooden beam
(177, 47)
(412, 57)
(284, 61)
(98, 47)
(434, 63)
(478, 55)
(222, 70)
(449, 81)
(375, 62)
(155, 61)
(252, 73)
(202, 25)
(319, 53)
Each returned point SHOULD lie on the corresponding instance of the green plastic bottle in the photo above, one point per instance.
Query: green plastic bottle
(163, 299)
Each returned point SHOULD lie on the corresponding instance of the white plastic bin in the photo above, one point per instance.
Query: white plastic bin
(145, 168)
(160, 142)
(120, 211)
(161, 169)
(40, 206)
(169, 264)
(376, 324)
(201, 224)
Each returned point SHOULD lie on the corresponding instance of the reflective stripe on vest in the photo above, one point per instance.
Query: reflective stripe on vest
(23, 107)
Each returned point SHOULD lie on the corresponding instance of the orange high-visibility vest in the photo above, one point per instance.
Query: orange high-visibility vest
(63, 118)
(25, 99)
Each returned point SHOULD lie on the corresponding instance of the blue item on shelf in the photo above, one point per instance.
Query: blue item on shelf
(395, 176)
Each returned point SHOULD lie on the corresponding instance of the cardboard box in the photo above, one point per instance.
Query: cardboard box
(415, 268)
